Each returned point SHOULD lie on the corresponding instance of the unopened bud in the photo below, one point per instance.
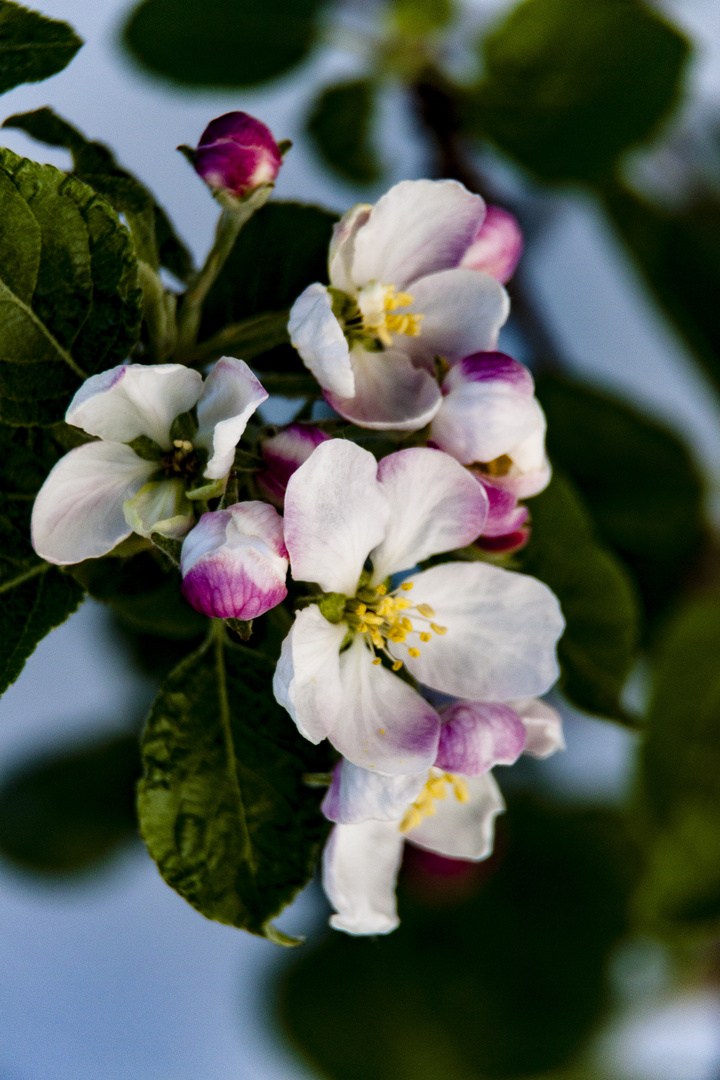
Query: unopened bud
(237, 154)
(497, 247)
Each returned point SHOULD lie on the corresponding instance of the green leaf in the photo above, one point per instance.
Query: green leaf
(69, 302)
(32, 47)
(223, 807)
(340, 123)
(95, 164)
(67, 814)
(281, 250)
(570, 84)
(596, 595)
(637, 479)
(680, 765)
(415, 18)
(221, 44)
(496, 971)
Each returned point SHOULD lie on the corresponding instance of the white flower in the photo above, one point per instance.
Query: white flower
(137, 477)
(449, 809)
(398, 299)
(466, 629)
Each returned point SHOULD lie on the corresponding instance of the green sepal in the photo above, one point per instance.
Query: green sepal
(242, 627)
(332, 606)
(146, 448)
(168, 545)
(185, 426)
(210, 490)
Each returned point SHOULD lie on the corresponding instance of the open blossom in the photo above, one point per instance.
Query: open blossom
(449, 809)
(140, 476)
(237, 154)
(283, 454)
(399, 298)
(234, 562)
(465, 629)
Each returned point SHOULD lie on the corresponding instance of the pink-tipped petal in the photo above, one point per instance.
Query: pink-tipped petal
(283, 454)
(230, 396)
(462, 830)
(360, 868)
(389, 392)
(476, 736)
(497, 248)
(363, 794)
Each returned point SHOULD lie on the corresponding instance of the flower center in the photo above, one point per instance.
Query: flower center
(384, 617)
(372, 318)
(182, 460)
(424, 805)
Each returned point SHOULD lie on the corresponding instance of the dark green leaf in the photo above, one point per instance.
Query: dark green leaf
(597, 598)
(340, 123)
(223, 807)
(281, 250)
(680, 765)
(69, 302)
(69, 813)
(32, 47)
(637, 479)
(570, 84)
(221, 44)
(505, 982)
(95, 164)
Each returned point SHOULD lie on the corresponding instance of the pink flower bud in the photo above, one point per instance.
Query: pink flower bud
(497, 247)
(234, 562)
(237, 154)
(283, 454)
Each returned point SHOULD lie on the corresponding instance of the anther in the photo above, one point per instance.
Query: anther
(406, 586)
(426, 610)
(414, 652)
(397, 664)
(438, 629)
(425, 636)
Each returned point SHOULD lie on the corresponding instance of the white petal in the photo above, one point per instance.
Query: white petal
(462, 830)
(160, 506)
(335, 513)
(135, 399)
(360, 868)
(362, 794)
(307, 677)
(462, 311)
(78, 513)
(383, 723)
(319, 338)
(543, 725)
(438, 506)
(230, 396)
(417, 228)
(390, 393)
(502, 629)
(342, 246)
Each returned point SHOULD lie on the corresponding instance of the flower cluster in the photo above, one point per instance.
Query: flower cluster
(420, 659)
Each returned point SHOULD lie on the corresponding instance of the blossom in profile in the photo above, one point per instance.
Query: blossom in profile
(497, 247)
(282, 454)
(449, 809)
(399, 298)
(462, 628)
(163, 438)
(234, 562)
(237, 154)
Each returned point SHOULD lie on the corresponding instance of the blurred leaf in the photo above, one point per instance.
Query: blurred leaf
(679, 255)
(680, 766)
(32, 47)
(95, 164)
(508, 982)
(416, 18)
(69, 302)
(597, 598)
(281, 250)
(341, 124)
(637, 479)
(34, 597)
(223, 807)
(221, 43)
(568, 85)
(67, 814)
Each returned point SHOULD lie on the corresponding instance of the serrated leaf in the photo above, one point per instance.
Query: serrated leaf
(570, 84)
(78, 307)
(95, 164)
(340, 123)
(596, 595)
(220, 44)
(223, 807)
(637, 479)
(32, 47)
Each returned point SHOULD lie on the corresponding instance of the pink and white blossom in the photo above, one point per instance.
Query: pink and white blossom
(234, 562)
(283, 454)
(399, 297)
(465, 629)
(101, 492)
(449, 809)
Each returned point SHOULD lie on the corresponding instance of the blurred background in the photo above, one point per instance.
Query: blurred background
(567, 955)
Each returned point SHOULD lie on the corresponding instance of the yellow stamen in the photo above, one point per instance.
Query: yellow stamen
(435, 788)
(377, 661)
(414, 652)
(425, 636)
(397, 664)
(381, 590)
(407, 586)
(438, 629)
(426, 610)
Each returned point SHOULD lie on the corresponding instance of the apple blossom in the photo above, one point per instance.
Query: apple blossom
(234, 562)
(469, 629)
(283, 454)
(165, 437)
(449, 809)
(398, 299)
(237, 154)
